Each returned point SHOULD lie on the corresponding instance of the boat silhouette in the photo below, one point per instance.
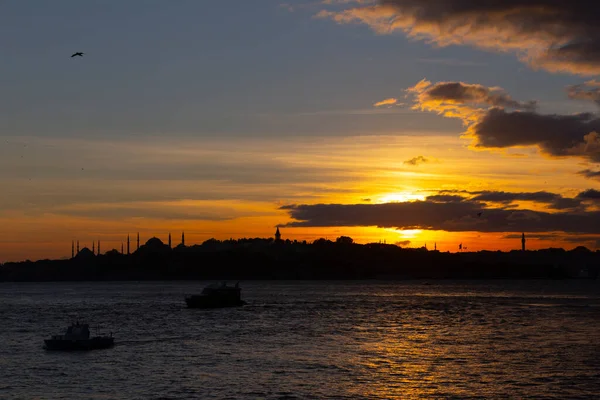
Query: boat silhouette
(217, 296)
(77, 337)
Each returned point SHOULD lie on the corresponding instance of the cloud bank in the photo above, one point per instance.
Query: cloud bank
(556, 35)
(460, 213)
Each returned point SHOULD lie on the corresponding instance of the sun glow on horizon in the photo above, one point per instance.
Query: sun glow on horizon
(401, 197)
(409, 233)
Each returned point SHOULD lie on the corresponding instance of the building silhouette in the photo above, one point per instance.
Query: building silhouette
(277, 235)
(261, 258)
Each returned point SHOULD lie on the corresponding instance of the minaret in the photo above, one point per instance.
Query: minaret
(78, 247)
(277, 235)
(98, 247)
(138, 241)
(127, 244)
(182, 239)
(523, 241)
(434, 246)
(72, 249)
(169, 239)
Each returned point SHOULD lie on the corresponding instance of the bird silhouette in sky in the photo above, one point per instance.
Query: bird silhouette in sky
(78, 54)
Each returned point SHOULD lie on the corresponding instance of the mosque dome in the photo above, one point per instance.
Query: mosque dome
(85, 253)
(154, 245)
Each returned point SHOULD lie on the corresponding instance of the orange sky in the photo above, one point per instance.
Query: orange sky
(326, 118)
(94, 205)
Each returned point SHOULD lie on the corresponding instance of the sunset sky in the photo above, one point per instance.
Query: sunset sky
(396, 120)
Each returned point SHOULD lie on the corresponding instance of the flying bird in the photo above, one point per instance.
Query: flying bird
(78, 54)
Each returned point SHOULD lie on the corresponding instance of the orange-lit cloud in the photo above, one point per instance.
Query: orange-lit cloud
(461, 100)
(496, 121)
(387, 102)
(559, 36)
(453, 93)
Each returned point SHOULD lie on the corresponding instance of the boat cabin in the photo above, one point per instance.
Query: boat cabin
(222, 290)
(76, 331)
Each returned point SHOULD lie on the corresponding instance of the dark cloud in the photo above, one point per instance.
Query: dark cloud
(451, 217)
(493, 195)
(585, 91)
(555, 135)
(403, 243)
(543, 197)
(461, 210)
(566, 204)
(455, 191)
(590, 194)
(460, 92)
(557, 35)
(417, 160)
(555, 201)
(590, 174)
(484, 112)
(507, 199)
(445, 198)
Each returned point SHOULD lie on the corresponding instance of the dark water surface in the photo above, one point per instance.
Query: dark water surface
(296, 340)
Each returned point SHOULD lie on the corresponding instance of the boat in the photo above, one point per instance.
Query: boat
(77, 337)
(217, 296)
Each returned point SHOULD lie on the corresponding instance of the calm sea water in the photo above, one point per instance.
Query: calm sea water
(297, 340)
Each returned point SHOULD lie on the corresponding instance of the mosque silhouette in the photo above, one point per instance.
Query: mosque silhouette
(153, 244)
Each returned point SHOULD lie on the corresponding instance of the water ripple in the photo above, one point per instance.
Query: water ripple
(301, 340)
